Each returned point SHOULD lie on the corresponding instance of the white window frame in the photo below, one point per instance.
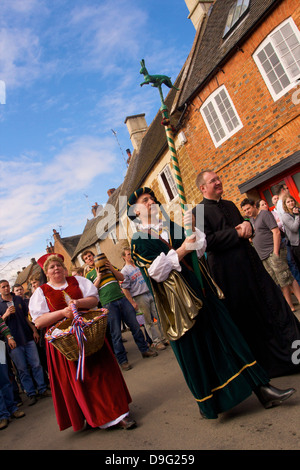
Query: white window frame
(212, 102)
(270, 41)
(167, 172)
(113, 236)
(235, 15)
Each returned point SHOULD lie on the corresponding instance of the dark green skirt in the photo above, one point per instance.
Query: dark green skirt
(216, 362)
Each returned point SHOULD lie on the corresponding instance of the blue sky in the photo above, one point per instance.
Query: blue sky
(71, 73)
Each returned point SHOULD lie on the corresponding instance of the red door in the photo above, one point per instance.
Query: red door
(291, 178)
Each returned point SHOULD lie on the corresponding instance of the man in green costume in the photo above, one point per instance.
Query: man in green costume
(215, 360)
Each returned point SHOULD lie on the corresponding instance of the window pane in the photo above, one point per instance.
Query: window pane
(262, 56)
(287, 46)
(235, 12)
(294, 70)
(167, 186)
(171, 180)
(296, 52)
(268, 197)
(274, 59)
(287, 31)
(292, 41)
(272, 77)
(226, 110)
(284, 81)
(220, 116)
(273, 187)
(214, 122)
(277, 87)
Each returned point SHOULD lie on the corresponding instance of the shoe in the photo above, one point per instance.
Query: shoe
(149, 354)
(127, 423)
(270, 396)
(202, 414)
(3, 423)
(160, 346)
(45, 394)
(18, 414)
(32, 400)
(126, 366)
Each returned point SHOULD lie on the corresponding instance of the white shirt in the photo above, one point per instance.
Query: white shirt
(165, 263)
(38, 304)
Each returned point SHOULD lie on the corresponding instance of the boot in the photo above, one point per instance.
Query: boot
(270, 396)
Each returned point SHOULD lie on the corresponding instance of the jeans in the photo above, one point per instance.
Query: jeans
(293, 264)
(22, 356)
(7, 404)
(147, 307)
(119, 310)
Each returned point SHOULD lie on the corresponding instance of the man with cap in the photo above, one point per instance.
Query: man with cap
(216, 362)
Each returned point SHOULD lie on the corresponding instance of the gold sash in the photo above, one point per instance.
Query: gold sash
(214, 287)
(177, 305)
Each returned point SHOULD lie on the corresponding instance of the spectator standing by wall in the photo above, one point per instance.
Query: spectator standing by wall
(14, 312)
(271, 250)
(291, 222)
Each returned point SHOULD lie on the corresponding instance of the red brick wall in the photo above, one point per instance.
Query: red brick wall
(271, 130)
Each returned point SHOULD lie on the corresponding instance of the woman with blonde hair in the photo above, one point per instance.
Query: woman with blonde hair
(102, 398)
(291, 222)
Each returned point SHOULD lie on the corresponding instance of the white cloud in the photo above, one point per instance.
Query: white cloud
(30, 190)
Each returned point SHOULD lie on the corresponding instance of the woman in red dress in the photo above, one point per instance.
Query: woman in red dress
(102, 398)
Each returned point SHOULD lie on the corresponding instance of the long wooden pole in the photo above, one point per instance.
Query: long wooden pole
(157, 81)
(177, 175)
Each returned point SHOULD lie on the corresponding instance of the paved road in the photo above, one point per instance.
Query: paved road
(167, 417)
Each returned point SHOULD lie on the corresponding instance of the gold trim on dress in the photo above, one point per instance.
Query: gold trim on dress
(226, 383)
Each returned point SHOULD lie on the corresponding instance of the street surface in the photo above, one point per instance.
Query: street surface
(167, 417)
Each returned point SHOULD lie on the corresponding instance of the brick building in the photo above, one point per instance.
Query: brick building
(64, 246)
(241, 101)
(236, 112)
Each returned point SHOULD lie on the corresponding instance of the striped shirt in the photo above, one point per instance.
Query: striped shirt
(109, 288)
(4, 330)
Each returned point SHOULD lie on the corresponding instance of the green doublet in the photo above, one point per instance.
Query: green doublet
(215, 360)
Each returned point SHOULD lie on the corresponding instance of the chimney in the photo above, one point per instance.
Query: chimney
(94, 209)
(129, 156)
(110, 191)
(198, 10)
(137, 128)
(50, 249)
(56, 235)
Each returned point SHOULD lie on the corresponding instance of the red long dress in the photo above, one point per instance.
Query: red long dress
(103, 395)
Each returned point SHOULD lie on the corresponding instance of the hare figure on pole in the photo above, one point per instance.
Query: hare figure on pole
(155, 81)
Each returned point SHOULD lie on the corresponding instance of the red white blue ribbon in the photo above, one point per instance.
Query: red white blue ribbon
(77, 328)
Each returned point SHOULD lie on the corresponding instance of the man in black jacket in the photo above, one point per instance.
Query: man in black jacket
(254, 301)
(14, 312)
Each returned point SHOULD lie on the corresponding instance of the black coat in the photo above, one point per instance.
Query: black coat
(254, 301)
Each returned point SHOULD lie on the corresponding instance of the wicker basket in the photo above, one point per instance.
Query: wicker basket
(94, 333)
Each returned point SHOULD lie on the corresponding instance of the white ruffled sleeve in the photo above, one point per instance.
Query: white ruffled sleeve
(37, 304)
(87, 287)
(165, 263)
(200, 244)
